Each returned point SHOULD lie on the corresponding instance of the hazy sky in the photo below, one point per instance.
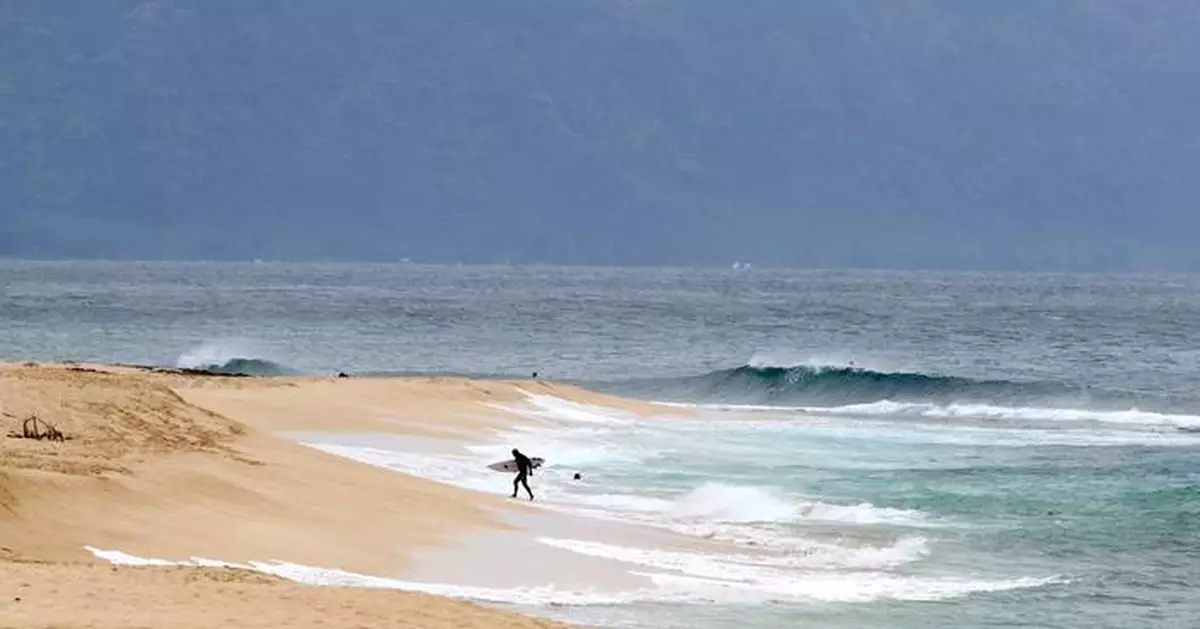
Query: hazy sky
(900, 133)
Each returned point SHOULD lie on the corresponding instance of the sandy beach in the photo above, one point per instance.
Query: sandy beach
(175, 465)
(68, 594)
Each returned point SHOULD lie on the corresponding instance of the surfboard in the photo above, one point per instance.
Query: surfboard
(511, 464)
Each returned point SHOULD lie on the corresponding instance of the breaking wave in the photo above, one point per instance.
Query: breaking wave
(232, 359)
(246, 367)
(837, 386)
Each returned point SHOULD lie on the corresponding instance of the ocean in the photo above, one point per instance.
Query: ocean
(868, 449)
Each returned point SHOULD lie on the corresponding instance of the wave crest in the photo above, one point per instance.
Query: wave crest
(729, 503)
(230, 358)
(246, 367)
(828, 386)
(851, 384)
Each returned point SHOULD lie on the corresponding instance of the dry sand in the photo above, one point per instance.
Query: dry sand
(177, 465)
(95, 596)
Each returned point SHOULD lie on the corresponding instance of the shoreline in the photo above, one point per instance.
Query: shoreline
(171, 464)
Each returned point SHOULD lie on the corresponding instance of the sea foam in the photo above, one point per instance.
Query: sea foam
(725, 584)
(748, 579)
(730, 503)
(986, 411)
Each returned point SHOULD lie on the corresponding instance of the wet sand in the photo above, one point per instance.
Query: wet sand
(177, 465)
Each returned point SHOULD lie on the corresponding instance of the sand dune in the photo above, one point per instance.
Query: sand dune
(177, 465)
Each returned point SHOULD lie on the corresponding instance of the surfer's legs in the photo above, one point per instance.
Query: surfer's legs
(520, 480)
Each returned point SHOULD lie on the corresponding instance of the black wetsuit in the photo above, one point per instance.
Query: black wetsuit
(524, 469)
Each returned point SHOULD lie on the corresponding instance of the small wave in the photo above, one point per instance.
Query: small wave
(236, 358)
(245, 367)
(758, 579)
(718, 503)
(739, 504)
(730, 503)
(986, 411)
(863, 513)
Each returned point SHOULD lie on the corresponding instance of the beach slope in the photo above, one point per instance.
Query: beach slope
(175, 465)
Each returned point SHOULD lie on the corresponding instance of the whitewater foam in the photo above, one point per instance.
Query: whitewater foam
(756, 548)
(316, 576)
(714, 504)
(824, 360)
(726, 583)
(886, 408)
(231, 357)
(730, 503)
(886, 421)
(864, 513)
(839, 576)
(986, 411)
(807, 554)
(217, 352)
(845, 588)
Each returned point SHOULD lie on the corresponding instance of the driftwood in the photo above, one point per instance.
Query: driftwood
(40, 429)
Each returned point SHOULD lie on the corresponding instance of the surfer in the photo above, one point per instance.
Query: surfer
(524, 469)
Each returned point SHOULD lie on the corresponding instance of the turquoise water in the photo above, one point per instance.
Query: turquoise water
(893, 449)
(900, 523)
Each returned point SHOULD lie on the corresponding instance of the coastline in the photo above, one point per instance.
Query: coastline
(177, 465)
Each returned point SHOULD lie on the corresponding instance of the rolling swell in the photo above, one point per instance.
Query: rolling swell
(841, 386)
(848, 385)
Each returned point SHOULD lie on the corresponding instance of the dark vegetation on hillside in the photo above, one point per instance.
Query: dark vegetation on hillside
(993, 133)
